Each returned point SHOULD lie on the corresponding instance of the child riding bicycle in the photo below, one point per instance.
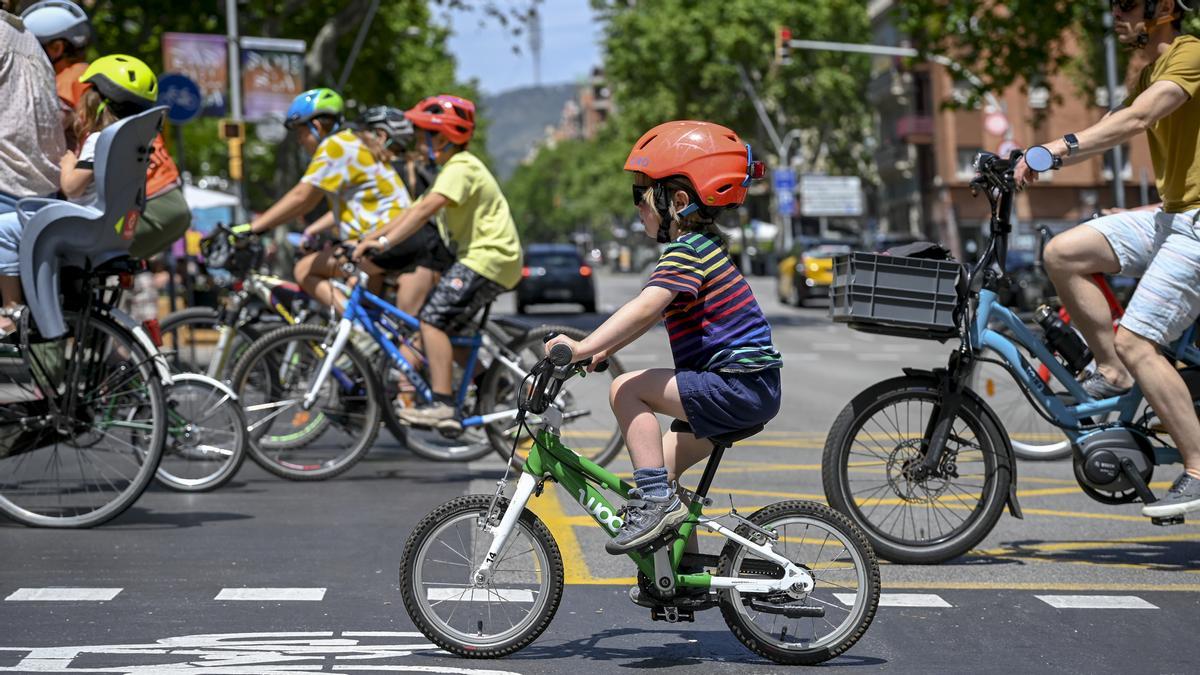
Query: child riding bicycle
(726, 375)
(475, 217)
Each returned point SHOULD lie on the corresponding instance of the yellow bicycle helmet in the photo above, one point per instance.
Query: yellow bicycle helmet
(123, 80)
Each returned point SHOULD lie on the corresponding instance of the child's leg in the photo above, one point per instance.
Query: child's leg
(441, 359)
(635, 398)
(313, 272)
(681, 452)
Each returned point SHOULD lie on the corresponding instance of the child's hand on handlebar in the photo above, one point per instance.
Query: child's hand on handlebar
(365, 246)
(577, 353)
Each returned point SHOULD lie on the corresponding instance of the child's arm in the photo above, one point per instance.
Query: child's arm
(404, 226)
(74, 180)
(325, 222)
(623, 327)
(298, 201)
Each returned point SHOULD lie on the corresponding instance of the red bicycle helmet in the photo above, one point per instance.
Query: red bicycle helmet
(713, 158)
(451, 116)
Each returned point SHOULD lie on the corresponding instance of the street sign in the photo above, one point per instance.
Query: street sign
(272, 75)
(784, 181)
(831, 196)
(204, 59)
(182, 97)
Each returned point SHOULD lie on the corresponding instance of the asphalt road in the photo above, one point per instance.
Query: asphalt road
(267, 576)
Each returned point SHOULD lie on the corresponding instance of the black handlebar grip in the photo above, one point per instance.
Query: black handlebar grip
(602, 367)
(560, 354)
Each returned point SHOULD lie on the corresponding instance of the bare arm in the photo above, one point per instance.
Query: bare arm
(630, 321)
(325, 222)
(298, 201)
(73, 180)
(404, 226)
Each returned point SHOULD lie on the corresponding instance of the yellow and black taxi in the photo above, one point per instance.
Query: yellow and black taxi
(807, 271)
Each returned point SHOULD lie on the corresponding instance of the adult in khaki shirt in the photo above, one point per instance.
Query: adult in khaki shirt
(1160, 246)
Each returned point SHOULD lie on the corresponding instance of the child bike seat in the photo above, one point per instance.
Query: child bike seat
(727, 440)
(57, 234)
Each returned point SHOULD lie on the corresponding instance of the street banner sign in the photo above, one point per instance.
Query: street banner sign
(831, 196)
(182, 97)
(784, 182)
(272, 75)
(204, 59)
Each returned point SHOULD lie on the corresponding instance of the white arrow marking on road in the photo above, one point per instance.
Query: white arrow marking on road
(1095, 602)
(480, 594)
(63, 594)
(900, 599)
(272, 594)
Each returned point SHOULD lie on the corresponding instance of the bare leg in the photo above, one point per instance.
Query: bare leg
(1166, 392)
(313, 273)
(1071, 258)
(441, 358)
(635, 398)
(682, 451)
(10, 291)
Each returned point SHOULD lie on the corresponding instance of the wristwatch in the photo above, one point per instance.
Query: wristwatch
(383, 242)
(1072, 144)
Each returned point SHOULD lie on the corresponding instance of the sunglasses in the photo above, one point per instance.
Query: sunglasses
(1124, 5)
(639, 193)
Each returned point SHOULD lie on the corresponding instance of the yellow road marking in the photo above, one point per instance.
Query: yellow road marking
(548, 507)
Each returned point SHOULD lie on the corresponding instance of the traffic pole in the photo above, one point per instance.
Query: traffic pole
(235, 107)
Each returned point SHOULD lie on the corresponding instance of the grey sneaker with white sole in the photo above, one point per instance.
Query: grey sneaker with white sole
(646, 518)
(1183, 496)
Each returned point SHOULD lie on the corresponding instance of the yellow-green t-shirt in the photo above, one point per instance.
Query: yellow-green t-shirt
(1175, 139)
(477, 219)
(363, 194)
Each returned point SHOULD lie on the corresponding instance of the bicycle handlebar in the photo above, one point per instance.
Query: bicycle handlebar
(550, 374)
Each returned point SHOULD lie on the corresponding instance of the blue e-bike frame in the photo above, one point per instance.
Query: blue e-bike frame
(1072, 418)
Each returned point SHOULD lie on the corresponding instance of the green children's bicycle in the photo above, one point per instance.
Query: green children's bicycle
(482, 576)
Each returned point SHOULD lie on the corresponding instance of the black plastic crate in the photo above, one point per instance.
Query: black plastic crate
(907, 297)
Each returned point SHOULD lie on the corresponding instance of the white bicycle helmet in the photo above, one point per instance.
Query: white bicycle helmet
(51, 20)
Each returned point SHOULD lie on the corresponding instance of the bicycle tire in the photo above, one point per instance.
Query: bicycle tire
(741, 619)
(359, 410)
(835, 471)
(416, 594)
(203, 318)
(149, 394)
(498, 380)
(211, 408)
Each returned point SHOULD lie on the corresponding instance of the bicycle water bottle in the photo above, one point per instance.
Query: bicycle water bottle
(1061, 340)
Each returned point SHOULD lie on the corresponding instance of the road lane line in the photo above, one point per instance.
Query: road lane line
(1095, 602)
(900, 600)
(272, 594)
(480, 594)
(63, 594)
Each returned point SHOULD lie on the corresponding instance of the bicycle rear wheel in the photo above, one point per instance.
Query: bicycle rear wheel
(82, 469)
(272, 379)
(589, 425)
(191, 336)
(207, 436)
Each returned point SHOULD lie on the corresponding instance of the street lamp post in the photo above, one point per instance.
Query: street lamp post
(235, 105)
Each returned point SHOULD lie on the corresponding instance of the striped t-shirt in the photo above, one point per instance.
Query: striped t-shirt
(714, 322)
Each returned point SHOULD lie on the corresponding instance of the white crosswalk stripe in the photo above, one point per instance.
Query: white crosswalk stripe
(63, 594)
(1096, 602)
(272, 594)
(900, 599)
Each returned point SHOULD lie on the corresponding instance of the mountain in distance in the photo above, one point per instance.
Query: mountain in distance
(517, 121)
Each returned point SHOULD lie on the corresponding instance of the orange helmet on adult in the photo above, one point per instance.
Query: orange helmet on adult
(717, 163)
(452, 116)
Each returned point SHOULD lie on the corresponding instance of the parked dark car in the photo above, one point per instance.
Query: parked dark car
(555, 273)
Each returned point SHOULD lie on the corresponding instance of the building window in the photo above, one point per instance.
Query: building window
(965, 162)
(1126, 167)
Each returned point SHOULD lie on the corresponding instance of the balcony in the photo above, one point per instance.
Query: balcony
(914, 125)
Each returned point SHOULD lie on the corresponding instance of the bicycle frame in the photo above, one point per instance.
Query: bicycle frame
(549, 459)
(1071, 417)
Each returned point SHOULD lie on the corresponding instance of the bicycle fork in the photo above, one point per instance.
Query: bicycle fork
(341, 336)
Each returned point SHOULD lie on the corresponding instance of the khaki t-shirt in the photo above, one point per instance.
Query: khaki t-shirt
(478, 220)
(1175, 139)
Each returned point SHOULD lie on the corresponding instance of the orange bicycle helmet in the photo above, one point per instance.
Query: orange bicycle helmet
(452, 116)
(716, 163)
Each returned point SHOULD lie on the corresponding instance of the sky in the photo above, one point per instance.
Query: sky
(570, 47)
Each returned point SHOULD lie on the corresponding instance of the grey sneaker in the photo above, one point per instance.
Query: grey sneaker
(1183, 496)
(1099, 388)
(427, 415)
(645, 519)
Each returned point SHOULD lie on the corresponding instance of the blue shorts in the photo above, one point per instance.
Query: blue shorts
(720, 403)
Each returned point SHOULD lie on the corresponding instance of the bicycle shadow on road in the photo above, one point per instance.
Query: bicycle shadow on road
(670, 648)
(1165, 553)
(137, 518)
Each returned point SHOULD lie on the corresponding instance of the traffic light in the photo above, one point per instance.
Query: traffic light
(783, 47)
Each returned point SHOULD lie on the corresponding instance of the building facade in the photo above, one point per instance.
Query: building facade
(925, 150)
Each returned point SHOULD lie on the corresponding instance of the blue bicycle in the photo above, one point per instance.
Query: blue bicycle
(920, 462)
(326, 388)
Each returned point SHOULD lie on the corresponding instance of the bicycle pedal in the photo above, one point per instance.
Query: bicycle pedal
(672, 614)
(1167, 521)
(663, 539)
(449, 428)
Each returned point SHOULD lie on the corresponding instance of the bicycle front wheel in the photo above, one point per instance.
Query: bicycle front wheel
(495, 618)
(838, 609)
(589, 425)
(272, 380)
(1031, 435)
(80, 466)
(206, 436)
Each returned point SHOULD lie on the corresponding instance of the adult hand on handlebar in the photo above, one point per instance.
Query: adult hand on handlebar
(1022, 174)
